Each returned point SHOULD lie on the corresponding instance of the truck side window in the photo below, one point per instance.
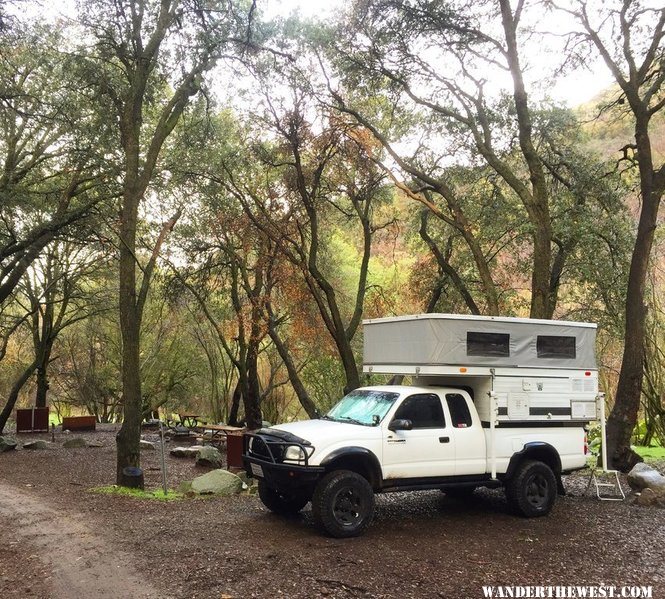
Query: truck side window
(424, 411)
(459, 410)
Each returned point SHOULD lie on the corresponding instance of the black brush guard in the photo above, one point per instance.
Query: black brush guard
(265, 462)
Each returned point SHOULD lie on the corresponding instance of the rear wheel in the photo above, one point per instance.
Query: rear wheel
(343, 504)
(281, 503)
(531, 491)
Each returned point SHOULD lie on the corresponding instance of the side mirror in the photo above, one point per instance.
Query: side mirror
(400, 425)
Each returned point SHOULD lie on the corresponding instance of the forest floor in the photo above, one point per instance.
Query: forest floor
(59, 540)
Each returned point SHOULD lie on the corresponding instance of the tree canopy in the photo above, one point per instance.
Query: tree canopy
(199, 205)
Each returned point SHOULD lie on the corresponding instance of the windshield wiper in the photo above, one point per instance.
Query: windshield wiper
(353, 420)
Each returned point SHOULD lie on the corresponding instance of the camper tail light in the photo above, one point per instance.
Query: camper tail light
(586, 444)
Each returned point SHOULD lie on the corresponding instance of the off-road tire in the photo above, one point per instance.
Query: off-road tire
(281, 503)
(532, 489)
(343, 504)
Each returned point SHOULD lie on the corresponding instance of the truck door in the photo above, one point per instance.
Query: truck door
(427, 449)
(468, 435)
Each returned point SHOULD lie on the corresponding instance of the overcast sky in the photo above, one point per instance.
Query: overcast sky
(573, 89)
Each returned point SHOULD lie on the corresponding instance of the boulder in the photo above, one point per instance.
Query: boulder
(75, 442)
(209, 456)
(185, 487)
(217, 482)
(147, 445)
(7, 444)
(643, 476)
(186, 452)
(39, 444)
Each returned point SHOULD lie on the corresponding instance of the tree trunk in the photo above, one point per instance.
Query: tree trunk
(542, 272)
(235, 404)
(350, 367)
(13, 395)
(623, 417)
(42, 375)
(251, 397)
(128, 436)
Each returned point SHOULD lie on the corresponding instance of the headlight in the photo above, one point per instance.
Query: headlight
(294, 454)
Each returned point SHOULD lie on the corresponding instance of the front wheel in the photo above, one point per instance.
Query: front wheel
(281, 503)
(343, 504)
(531, 491)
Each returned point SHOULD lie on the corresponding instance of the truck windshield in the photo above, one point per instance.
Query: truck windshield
(362, 407)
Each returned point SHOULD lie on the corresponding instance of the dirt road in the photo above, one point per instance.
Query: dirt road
(75, 561)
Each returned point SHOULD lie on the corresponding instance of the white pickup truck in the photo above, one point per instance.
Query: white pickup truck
(403, 438)
(495, 401)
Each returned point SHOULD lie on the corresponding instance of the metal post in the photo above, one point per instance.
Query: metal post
(603, 438)
(161, 434)
(494, 412)
(493, 415)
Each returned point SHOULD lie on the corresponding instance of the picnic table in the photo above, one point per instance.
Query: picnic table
(189, 419)
(217, 431)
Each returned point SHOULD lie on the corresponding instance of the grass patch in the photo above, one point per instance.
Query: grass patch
(650, 452)
(157, 495)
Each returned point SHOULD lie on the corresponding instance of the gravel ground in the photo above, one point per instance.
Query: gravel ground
(420, 544)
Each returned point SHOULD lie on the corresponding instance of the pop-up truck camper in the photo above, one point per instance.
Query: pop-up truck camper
(493, 402)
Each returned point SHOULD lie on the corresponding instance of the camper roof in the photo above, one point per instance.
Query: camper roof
(453, 339)
(471, 317)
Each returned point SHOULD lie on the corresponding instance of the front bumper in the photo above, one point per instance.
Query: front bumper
(281, 476)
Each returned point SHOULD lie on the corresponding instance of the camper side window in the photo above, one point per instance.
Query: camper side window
(424, 411)
(549, 346)
(487, 344)
(459, 410)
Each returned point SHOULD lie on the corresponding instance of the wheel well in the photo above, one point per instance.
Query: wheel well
(363, 463)
(542, 452)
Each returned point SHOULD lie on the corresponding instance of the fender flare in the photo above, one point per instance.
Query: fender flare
(538, 450)
(366, 456)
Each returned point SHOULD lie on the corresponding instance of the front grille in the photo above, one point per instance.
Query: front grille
(264, 449)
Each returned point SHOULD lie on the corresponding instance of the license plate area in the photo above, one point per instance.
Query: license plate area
(257, 470)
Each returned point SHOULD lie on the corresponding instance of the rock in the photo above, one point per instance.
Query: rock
(186, 452)
(209, 456)
(185, 487)
(218, 482)
(651, 498)
(39, 444)
(75, 442)
(643, 476)
(242, 475)
(94, 444)
(7, 444)
(146, 445)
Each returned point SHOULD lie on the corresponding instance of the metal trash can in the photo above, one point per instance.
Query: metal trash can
(132, 477)
(234, 450)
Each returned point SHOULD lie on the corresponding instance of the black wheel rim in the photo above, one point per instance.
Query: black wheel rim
(537, 491)
(349, 507)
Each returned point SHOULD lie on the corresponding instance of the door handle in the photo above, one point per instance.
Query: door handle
(444, 439)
